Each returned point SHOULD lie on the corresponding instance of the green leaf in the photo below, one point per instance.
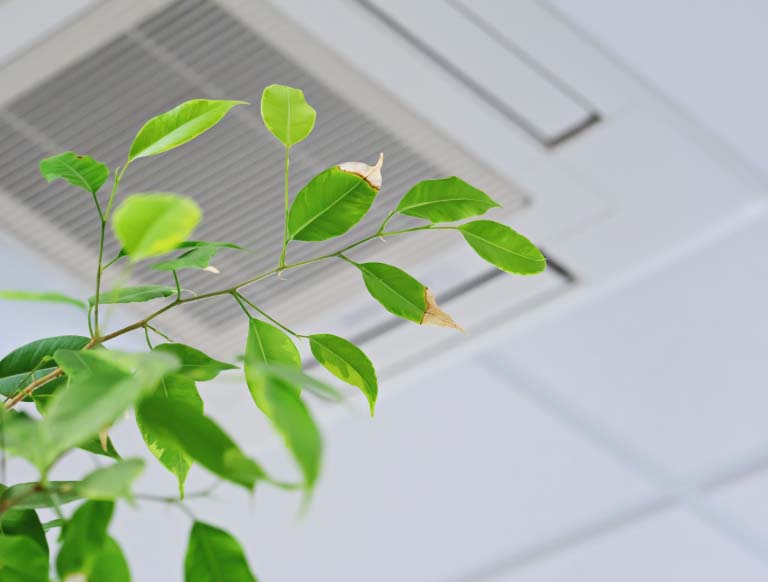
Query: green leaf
(16, 367)
(43, 297)
(24, 522)
(445, 200)
(200, 438)
(279, 400)
(503, 247)
(287, 114)
(347, 362)
(213, 555)
(93, 445)
(54, 523)
(102, 385)
(396, 290)
(195, 365)
(81, 171)
(199, 258)
(22, 560)
(178, 126)
(137, 294)
(175, 388)
(305, 381)
(152, 224)
(84, 538)
(110, 564)
(334, 201)
(111, 482)
(32, 496)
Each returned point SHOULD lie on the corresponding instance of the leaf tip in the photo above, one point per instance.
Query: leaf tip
(434, 315)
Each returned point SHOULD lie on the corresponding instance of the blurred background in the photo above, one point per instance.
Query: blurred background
(604, 421)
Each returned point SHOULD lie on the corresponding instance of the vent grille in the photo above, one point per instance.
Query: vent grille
(192, 49)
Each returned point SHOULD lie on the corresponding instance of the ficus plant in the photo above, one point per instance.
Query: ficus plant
(65, 393)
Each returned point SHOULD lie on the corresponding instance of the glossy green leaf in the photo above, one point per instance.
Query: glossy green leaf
(396, 290)
(42, 297)
(32, 496)
(174, 388)
(113, 482)
(178, 126)
(279, 400)
(110, 564)
(102, 385)
(84, 537)
(137, 294)
(195, 365)
(503, 247)
(22, 560)
(213, 555)
(347, 362)
(334, 201)
(16, 368)
(152, 224)
(81, 171)
(200, 438)
(287, 114)
(24, 522)
(445, 200)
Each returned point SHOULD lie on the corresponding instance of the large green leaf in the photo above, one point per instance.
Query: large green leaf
(504, 248)
(445, 200)
(174, 388)
(102, 385)
(110, 564)
(22, 560)
(213, 555)
(113, 482)
(195, 365)
(178, 126)
(23, 522)
(81, 171)
(16, 368)
(347, 362)
(137, 294)
(42, 297)
(334, 201)
(200, 438)
(287, 114)
(152, 224)
(84, 537)
(396, 290)
(279, 400)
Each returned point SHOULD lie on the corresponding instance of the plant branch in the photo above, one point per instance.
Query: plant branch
(285, 213)
(238, 296)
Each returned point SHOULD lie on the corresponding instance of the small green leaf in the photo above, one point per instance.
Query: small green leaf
(110, 564)
(445, 200)
(113, 482)
(213, 555)
(175, 388)
(347, 362)
(334, 201)
(22, 560)
(287, 114)
(84, 537)
(199, 258)
(200, 438)
(81, 171)
(23, 522)
(31, 495)
(137, 294)
(279, 400)
(195, 365)
(178, 126)
(152, 224)
(503, 247)
(396, 290)
(43, 297)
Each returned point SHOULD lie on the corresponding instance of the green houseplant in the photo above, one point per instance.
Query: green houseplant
(64, 393)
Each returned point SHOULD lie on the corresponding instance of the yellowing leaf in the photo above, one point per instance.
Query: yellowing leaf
(434, 315)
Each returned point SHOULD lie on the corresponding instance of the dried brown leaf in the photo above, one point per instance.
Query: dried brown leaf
(434, 315)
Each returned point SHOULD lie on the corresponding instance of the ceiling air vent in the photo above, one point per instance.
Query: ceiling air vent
(191, 49)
